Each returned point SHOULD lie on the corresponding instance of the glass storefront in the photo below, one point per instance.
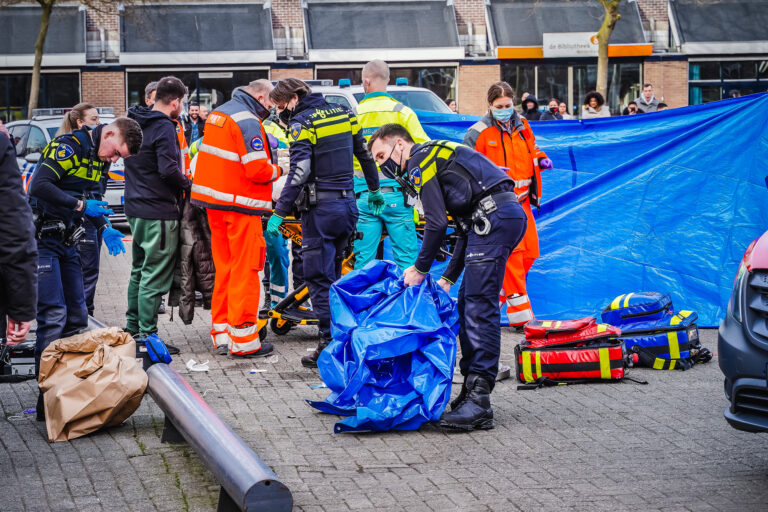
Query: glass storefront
(715, 80)
(210, 88)
(57, 90)
(570, 81)
(440, 80)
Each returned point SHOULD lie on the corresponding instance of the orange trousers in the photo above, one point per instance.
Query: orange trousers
(521, 260)
(239, 250)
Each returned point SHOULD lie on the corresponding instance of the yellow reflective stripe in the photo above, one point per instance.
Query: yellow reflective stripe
(427, 174)
(679, 317)
(444, 153)
(538, 364)
(617, 301)
(546, 323)
(605, 363)
(558, 324)
(333, 129)
(674, 346)
(331, 120)
(305, 134)
(46, 164)
(658, 364)
(602, 328)
(626, 301)
(527, 377)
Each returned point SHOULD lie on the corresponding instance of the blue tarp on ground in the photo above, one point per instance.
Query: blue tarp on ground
(666, 201)
(390, 364)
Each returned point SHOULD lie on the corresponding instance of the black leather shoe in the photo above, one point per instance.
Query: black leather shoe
(310, 361)
(474, 412)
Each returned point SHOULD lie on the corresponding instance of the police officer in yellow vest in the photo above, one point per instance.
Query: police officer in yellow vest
(375, 110)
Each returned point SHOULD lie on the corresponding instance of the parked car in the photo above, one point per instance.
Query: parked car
(417, 98)
(743, 342)
(31, 136)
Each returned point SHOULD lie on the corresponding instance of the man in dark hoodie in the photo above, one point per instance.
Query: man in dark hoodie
(154, 189)
(531, 108)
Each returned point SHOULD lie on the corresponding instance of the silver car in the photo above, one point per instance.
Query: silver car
(31, 137)
(417, 98)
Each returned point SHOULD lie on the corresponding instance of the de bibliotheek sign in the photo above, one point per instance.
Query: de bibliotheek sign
(570, 44)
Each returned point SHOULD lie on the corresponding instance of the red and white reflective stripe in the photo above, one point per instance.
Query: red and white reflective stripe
(220, 335)
(519, 310)
(245, 340)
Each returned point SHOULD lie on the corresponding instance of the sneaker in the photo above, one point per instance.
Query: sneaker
(222, 350)
(161, 309)
(171, 349)
(265, 350)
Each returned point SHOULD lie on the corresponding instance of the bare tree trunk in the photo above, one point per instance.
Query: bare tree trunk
(45, 21)
(603, 37)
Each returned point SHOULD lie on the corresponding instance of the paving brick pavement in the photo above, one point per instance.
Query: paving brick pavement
(664, 446)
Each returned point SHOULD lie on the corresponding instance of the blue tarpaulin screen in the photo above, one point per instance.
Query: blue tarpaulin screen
(666, 201)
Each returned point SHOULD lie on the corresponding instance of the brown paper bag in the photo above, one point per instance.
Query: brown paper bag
(90, 380)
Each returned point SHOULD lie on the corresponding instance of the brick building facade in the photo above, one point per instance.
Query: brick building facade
(109, 78)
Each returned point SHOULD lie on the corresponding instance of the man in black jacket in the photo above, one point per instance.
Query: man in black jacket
(18, 250)
(154, 189)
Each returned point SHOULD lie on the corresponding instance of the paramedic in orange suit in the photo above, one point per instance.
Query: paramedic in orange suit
(233, 181)
(507, 140)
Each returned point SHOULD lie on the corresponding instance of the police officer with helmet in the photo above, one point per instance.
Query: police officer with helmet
(323, 139)
(480, 197)
(60, 193)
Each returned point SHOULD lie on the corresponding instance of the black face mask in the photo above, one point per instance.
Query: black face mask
(553, 110)
(285, 116)
(390, 168)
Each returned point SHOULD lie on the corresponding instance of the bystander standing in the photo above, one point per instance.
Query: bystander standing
(154, 188)
(594, 106)
(553, 111)
(195, 125)
(563, 109)
(647, 102)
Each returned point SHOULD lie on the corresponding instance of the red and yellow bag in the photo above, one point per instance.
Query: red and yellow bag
(569, 351)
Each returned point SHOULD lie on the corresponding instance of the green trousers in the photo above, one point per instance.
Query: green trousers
(154, 252)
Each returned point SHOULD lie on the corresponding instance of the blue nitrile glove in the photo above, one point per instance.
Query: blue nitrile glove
(376, 202)
(273, 226)
(114, 240)
(545, 164)
(95, 208)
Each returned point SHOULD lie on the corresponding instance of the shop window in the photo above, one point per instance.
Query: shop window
(704, 94)
(704, 70)
(552, 83)
(57, 90)
(208, 88)
(738, 70)
(762, 69)
(522, 78)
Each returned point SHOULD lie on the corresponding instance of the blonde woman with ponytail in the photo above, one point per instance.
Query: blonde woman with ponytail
(82, 114)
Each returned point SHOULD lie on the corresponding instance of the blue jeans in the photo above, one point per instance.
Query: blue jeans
(61, 310)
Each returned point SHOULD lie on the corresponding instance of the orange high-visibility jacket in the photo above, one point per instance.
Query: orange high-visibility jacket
(234, 168)
(515, 150)
(183, 148)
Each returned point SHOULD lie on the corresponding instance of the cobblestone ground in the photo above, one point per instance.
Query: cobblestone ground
(664, 446)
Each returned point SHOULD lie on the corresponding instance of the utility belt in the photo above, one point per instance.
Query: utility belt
(55, 229)
(486, 205)
(309, 197)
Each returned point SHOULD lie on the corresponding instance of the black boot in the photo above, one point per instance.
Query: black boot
(456, 402)
(310, 361)
(40, 409)
(474, 412)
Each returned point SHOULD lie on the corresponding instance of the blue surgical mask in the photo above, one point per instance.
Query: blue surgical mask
(92, 126)
(502, 114)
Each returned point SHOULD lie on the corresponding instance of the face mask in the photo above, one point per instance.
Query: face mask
(92, 126)
(285, 116)
(502, 114)
(553, 109)
(390, 168)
